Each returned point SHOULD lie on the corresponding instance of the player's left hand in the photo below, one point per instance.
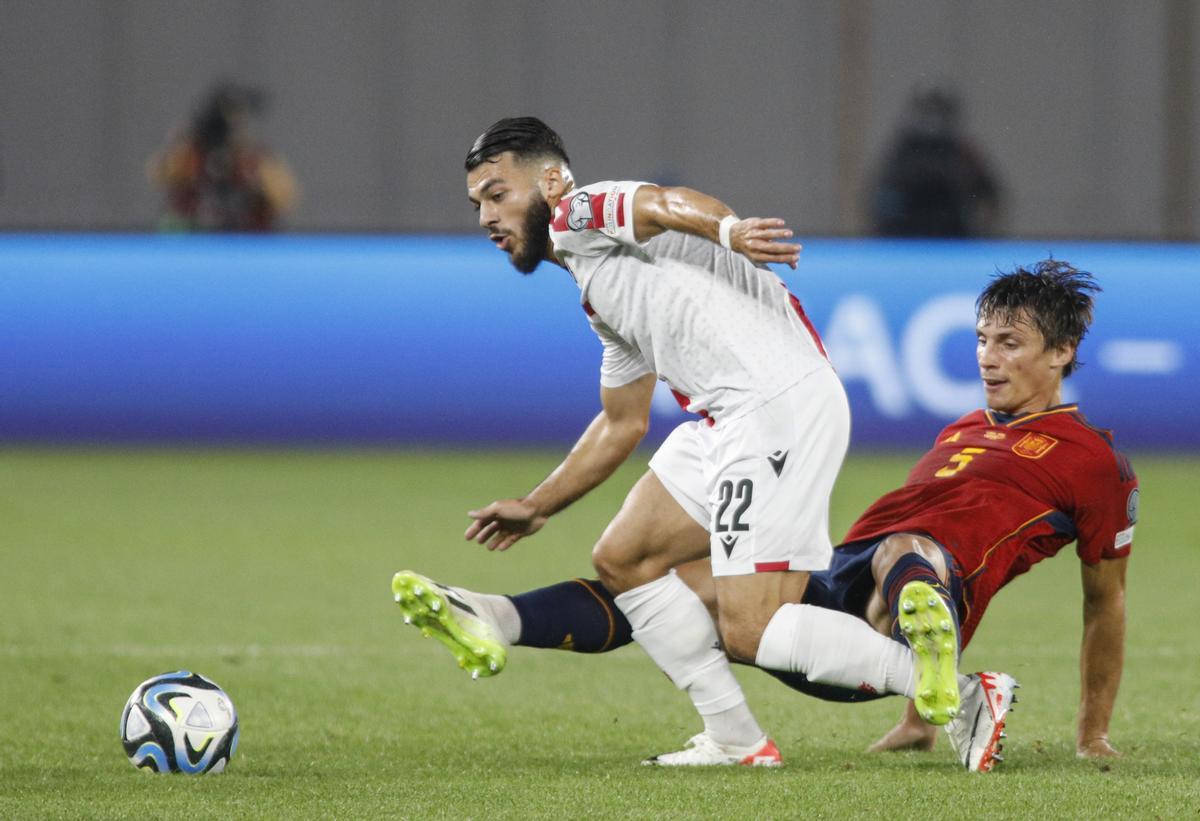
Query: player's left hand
(1099, 747)
(910, 733)
(759, 239)
(503, 523)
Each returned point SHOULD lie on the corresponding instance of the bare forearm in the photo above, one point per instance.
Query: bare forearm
(691, 212)
(686, 210)
(597, 454)
(1101, 661)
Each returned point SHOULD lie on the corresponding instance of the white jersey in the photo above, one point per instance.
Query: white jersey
(724, 334)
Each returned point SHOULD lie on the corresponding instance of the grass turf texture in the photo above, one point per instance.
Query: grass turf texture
(269, 573)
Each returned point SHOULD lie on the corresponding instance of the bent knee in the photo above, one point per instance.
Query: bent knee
(609, 565)
(899, 544)
(622, 567)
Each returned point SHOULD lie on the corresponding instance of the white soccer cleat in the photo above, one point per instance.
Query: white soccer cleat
(978, 729)
(702, 751)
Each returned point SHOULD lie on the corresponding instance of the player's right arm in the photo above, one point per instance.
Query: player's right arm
(1102, 656)
(607, 442)
(657, 209)
(1105, 513)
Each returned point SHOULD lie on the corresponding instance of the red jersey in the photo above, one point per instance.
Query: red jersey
(1001, 493)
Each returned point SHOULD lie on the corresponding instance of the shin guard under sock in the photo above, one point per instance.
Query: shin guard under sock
(912, 567)
(578, 615)
(675, 629)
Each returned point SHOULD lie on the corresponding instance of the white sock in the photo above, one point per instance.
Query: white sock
(674, 628)
(835, 648)
(498, 611)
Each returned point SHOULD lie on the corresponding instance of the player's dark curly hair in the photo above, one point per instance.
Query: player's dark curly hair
(527, 137)
(1055, 296)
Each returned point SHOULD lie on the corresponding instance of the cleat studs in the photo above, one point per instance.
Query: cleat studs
(474, 675)
(946, 626)
(435, 605)
(927, 715)
(493, 666)
(908, 606)
(408, 619)
(418, 590)
(397, 597)
(931, 602)
(908, 629)
(951, 712)
(927, 695)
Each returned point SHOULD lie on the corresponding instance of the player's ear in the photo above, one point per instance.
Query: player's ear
(1061, 356)
(554, 182)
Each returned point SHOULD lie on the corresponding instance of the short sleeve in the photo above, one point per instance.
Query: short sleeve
(1107, 511)
(592, 219)
(622, 363)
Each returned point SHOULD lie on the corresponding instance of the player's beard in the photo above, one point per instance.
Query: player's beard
(535, 236)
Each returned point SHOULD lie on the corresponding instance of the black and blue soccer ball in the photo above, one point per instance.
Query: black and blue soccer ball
(179, 722)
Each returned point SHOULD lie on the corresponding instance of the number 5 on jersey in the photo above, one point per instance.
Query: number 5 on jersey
(959, 461)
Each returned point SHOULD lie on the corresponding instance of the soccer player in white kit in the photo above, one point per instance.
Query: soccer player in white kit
(674, 285)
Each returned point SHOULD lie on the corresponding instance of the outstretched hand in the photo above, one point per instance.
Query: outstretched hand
(503, 523)
(759, 239)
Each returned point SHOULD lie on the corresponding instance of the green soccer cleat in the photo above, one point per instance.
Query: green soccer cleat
(928, 626)
(439, 611)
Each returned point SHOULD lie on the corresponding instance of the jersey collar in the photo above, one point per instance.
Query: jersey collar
(1011, 420)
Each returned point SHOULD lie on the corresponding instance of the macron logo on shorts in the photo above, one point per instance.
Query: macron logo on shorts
(777, 460)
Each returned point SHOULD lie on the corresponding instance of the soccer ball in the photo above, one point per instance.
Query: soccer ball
(179, 723)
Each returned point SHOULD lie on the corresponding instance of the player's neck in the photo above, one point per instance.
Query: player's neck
(1038, 404)
(554, 196)
(553, 202)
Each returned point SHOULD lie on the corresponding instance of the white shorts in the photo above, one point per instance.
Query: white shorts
(760, 484)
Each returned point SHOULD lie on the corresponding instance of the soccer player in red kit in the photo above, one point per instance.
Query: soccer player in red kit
(1010, 485)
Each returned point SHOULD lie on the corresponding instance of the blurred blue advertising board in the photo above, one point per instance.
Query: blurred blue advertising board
(436, 340)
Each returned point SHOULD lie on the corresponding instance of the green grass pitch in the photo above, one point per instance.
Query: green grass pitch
(269, 572)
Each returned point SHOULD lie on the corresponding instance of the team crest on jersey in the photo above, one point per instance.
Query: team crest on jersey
(1034, 445)
(579, 217)
(995, 435)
